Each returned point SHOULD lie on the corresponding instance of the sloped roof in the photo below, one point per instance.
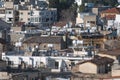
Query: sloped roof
(99, 60)
(60, 24)
(115, 52)
(110, 17)
(112, 10)
(44, 39)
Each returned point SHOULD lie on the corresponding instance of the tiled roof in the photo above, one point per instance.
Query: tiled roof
(110, 17)
(42, 39)
(112, 10)
(60, 24)
(99, 60)
(115, 52)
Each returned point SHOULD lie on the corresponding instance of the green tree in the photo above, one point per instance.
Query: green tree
(69, 14)
(53, 3)
(110, 2)
(82, 8)
(61, 5)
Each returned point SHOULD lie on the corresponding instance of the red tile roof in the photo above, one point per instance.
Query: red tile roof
(110, 17)
(112, 10)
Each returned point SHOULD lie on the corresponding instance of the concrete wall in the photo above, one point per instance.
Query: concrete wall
(42, 46)
(4, 76)
(8, 4)
(115, 73)
(88, 68)
(79, 19)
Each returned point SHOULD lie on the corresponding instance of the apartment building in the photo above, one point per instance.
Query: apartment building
(6, 10)
(44, 17)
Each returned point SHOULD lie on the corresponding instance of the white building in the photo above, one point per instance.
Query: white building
(55, 64)
(6, 10)
(44, 17)
(9, 15)
(117, 24)
(79, 2)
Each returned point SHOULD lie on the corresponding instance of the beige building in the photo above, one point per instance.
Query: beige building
(95, 11)
(90, 21)
(79, 19)
(113, 54)
(4, 76)
(45, 42)
(9, 4)
(24, 16)
(98, 65)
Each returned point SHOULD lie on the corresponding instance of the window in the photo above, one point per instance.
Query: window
(39, 19)
(21, 13)
(21, 19)
(10, 19)
(28, 13)
(47, 19)
(28, 19)
(9, 12)
(56, 65)
(97, 45)
(51, 19)
(32, 19)
(41, 13)
(36, 19)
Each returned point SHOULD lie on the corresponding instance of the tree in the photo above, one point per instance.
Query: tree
(110, 2)
(53, 3)
(63, 7)
(81, 8)
(69, 14)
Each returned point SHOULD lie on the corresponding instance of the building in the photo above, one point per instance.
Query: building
(111, 11)
(86, 20)
(24, 16)
(90, 21)
(98, 65)
(93, 39)
(45, 42)
(37, 14)
(5, 76)
(9, 15)
(7, 11)
(113, 54)
(79, 2)
(80, 18)
(108, 16)
(117, 24)
(44, 18)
